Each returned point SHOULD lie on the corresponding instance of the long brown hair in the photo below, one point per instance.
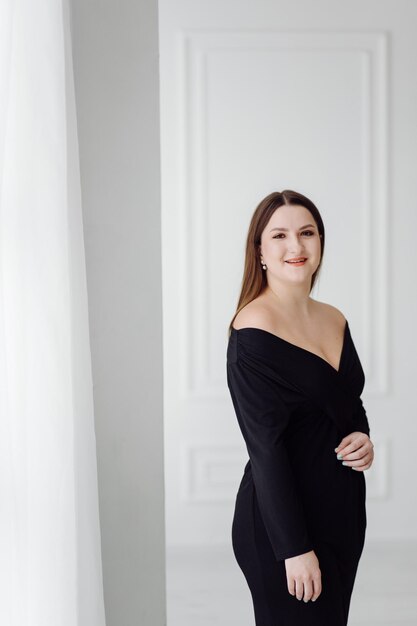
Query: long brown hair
(254, 277)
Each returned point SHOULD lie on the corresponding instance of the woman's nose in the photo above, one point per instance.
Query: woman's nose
(295, 244)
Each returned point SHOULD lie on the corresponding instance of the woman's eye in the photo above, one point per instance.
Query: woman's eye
(278, 236)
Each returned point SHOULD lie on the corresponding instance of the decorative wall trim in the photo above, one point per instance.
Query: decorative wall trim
(211, 472)
(200, 378)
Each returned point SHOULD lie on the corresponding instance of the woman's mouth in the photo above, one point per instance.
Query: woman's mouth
(297, 262)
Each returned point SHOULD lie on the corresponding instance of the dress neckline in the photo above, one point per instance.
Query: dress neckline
(293, 345)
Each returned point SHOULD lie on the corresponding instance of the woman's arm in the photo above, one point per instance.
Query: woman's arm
(356, 450)
(263, 418)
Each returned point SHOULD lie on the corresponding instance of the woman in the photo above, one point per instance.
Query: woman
(295, 380)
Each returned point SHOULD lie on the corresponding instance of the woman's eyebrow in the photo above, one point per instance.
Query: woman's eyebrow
(286, 229)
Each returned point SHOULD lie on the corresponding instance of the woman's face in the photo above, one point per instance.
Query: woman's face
(291, 232)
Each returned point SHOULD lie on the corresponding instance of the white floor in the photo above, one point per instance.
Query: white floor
(206, 587)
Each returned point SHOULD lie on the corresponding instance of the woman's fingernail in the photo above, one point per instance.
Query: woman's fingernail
(340, 456)
(344, 463)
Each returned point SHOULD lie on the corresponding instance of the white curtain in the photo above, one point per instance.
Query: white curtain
(50, 559)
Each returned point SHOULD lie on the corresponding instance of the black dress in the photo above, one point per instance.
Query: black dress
(293, 409)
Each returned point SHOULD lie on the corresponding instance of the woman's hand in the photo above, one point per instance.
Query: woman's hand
(304, 576)
(356, 450)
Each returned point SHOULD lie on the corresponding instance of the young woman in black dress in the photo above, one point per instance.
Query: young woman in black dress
(295, 381)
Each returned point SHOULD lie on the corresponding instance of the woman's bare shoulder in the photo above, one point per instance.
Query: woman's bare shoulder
(255, 314)
(330, 312)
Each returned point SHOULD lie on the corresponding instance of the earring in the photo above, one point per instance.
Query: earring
(263, 265)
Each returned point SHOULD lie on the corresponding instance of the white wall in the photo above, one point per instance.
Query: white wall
(259, 97)
(115, 46)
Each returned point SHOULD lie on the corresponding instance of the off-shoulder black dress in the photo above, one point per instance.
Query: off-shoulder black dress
(293, 409)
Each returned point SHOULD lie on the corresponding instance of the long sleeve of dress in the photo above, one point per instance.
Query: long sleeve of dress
(263, 416)
(361, 419)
